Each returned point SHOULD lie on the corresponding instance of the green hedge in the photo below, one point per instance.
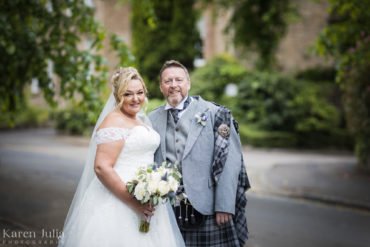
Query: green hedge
(261, 138)
(74, 121)
(277, 103)
(210, 81)
(78, 121)
(28, 117)
(275, 109)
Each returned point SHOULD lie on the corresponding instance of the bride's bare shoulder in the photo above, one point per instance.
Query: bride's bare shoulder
(113, 120)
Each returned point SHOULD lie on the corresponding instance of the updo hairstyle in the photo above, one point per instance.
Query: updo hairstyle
(120, 79)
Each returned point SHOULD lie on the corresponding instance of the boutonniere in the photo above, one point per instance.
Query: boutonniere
(201, 118)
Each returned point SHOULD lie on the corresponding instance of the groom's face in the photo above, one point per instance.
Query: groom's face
(175, 85)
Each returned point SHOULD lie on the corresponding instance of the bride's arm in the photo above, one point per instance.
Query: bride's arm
(106, 156)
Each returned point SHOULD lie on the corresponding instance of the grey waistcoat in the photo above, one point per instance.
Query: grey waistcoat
(177, 134)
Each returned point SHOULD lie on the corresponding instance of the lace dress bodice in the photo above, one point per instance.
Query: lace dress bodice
(140, 144)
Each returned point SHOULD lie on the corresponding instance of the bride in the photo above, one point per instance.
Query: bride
(103, 212)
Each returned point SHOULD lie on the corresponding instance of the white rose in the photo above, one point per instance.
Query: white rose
(140, 191)
(156, 176)
(163, 188)
(152, 186)
(173, 184)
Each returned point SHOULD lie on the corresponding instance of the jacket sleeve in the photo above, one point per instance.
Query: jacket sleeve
(153, 117)
(226, 187)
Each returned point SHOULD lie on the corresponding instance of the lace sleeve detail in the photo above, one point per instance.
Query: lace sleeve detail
(106, 135)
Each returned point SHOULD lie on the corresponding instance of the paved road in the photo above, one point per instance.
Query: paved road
(285, 222)
(40, 170)
(38, 174)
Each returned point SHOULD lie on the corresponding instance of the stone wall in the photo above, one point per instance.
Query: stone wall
(115, 16)
(293, 53)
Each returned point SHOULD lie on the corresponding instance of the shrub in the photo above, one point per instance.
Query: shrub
(317, 74)
(74, 121)
(28, 117)
(275, 104)
(262, 138)
(274, 109)
(267, 101)
(210, 80)
(153, 104)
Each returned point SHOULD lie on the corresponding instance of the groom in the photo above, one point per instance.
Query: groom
(203, 139)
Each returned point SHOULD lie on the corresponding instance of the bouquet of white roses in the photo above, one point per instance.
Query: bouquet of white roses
(154, 184)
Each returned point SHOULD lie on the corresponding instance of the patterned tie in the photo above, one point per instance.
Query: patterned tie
(175, 112)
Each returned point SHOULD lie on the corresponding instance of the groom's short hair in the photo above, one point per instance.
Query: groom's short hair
(173, 63)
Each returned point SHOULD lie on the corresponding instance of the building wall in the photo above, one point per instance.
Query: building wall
(115, 16)
(212, 29)
(293, 53)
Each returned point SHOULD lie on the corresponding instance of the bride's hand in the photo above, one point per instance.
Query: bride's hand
(146, 210)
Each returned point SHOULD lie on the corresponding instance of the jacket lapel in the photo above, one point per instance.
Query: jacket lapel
(195, 128)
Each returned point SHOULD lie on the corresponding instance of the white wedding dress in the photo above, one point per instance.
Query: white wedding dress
(104, 220)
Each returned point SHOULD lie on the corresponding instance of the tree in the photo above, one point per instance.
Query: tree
(163, 30)
(257, 25)
(49, 39)
(347, 40)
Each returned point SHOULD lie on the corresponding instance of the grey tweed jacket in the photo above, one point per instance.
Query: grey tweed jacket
(206, 196)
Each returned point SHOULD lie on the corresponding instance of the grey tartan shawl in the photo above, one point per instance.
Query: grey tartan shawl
(221, 149)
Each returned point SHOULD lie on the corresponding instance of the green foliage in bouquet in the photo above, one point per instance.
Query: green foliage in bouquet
(154, 184)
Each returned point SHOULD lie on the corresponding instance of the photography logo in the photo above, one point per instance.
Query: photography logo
(42, 237)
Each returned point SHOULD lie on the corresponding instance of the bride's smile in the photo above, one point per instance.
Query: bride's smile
(134, 98)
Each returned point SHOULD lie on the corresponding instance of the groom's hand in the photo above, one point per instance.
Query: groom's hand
(222, 218)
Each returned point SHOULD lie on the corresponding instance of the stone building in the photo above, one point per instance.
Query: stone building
(293, 53)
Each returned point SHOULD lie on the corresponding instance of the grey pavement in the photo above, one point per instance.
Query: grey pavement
(326, 177)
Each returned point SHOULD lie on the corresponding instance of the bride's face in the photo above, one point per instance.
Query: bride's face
(134, 98)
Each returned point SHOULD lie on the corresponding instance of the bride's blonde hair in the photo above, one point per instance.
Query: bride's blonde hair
(120, 79)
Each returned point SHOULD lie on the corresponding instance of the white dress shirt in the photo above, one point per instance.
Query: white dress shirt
(180, 106)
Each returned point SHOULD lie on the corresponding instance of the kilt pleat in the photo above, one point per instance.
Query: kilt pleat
(212, 235)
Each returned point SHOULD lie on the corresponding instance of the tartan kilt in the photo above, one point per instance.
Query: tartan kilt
(211, 235)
